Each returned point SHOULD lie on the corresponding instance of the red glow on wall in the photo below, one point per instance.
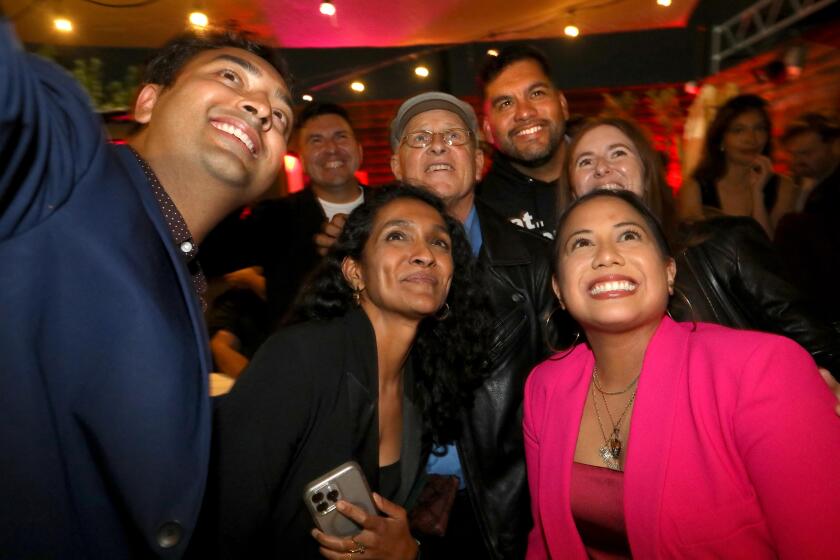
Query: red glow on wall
(361, 176)
(669, 150)
(294, 173)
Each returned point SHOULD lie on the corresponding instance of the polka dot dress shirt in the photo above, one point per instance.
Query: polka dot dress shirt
(181, 235)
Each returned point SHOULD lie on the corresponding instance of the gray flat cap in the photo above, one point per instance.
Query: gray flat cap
(427, 102)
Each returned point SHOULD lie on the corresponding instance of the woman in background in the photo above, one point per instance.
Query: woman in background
(378, 374)
(728, 271)
(658, 439)
(735, 174)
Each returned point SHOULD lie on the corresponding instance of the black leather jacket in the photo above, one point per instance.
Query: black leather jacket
(732, 276)
(491, 448)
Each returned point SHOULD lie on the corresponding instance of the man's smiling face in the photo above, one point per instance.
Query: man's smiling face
(226, 119)
(525, 115)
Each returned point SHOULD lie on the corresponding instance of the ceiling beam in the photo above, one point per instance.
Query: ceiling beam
(761, 20)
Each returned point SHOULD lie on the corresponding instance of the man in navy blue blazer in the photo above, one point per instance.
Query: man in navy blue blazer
(104, 408)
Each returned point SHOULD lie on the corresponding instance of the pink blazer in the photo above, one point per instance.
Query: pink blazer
(734, 449)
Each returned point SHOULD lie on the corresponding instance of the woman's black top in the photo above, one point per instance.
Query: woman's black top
(709, 194)
(390, 480)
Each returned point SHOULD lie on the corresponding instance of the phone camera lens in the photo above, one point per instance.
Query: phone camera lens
(322, 507)
(332, 495)
(317, 497)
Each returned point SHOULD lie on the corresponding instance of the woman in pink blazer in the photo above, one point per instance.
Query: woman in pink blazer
(657, 439)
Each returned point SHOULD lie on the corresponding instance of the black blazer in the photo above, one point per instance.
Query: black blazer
(306, 404)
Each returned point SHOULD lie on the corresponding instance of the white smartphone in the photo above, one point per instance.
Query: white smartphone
(346, 482)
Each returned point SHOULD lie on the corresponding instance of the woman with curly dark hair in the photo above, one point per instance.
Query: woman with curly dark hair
(390, 352)
(735, 174)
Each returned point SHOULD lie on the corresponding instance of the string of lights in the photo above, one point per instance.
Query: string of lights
(199, 20)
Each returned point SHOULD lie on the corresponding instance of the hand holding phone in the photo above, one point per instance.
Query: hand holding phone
(385, 537)
(345, 482)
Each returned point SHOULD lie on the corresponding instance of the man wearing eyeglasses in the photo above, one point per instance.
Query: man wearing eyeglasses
(434, 137)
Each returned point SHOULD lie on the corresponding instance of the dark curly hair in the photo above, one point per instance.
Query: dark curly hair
(168, 61)
(712, 165)
(448, 355)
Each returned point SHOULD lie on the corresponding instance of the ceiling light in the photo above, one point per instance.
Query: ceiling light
(422, 71)
(199, 19)
(665, 3)
(327, 8)
(306, 97)
(492, 52)
(358, 87)
(63, 24)
(571, 30)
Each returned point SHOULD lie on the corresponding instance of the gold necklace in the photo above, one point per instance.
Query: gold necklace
(611, 393)
(611, 450)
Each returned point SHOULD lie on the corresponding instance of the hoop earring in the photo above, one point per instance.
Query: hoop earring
(447, 311)
(565, 351)
(561, 353)
(687, 301)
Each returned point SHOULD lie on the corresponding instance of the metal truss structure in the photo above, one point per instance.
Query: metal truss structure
(762, 19)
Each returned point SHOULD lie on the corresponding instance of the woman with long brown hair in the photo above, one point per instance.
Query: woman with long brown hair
(735, 174)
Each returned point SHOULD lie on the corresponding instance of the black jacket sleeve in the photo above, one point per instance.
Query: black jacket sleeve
(748, 267)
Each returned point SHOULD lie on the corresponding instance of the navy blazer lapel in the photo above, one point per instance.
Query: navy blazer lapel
(144, 191)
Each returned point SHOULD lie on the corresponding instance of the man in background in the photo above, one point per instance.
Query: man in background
(809, 241)
(525, 120)
(434, 138)
(278, 236)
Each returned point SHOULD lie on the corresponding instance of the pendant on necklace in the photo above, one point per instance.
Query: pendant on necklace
(607, 456)
(614, 445)
(611, 451)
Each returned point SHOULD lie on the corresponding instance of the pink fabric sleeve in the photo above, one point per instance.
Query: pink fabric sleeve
(788, 436)
(533, 412)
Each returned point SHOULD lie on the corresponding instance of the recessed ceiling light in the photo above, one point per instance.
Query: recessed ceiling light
(63, 24)
(327, 8)
(199, 19)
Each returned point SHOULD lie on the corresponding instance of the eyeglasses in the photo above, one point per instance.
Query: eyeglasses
(451, 137)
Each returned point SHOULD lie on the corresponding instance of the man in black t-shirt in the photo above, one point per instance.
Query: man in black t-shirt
(525, 119)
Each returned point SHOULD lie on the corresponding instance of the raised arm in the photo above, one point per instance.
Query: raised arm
(689, 204)
(48, 135)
